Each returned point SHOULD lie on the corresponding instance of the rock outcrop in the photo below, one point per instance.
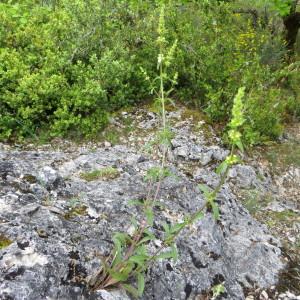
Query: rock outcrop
(59, 224)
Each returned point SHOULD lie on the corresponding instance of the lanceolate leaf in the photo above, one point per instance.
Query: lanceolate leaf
(177, 227)
(149, 216)
(240, 145)
(222, 168)
(138, 259)
(215, 209)
(166, 227)
(140, 283)
(199, 215)
(118, 276)
(135, 202)
(132, 290)
(168, 254)
(204, 188)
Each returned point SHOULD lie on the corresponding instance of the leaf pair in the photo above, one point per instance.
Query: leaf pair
(156, 174)
(210, 197)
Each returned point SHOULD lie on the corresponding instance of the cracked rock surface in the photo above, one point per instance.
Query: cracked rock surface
(53, 250)
(58, 224)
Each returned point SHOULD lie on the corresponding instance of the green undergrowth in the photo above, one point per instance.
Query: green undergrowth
(286, 217)
(66, 67)
(284, 225)
(281, 156)
(255, 201)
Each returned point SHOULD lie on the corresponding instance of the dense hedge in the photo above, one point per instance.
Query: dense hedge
(65, 65)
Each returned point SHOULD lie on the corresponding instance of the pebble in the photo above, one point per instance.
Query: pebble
(264, 295)
(107, 144)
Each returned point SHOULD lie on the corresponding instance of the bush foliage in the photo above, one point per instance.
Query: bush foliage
(66, 65)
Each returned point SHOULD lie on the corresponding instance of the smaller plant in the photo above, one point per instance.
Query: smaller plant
(218, 290)
(77, 210)
(130, 257)
(4, 241)
(235, 141)
(107, 173)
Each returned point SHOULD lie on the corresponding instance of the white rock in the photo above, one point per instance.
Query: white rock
(263, 295)
(107, 144)
(28, 258)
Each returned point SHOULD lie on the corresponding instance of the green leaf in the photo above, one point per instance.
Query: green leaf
(175, 252)
(140, 283)
(120, 240)
(204, 188)
(198, 215)
(240, 145)
(222, 168)
(134, 222)
(145, 239)
(138, 259)
(119, 276)
(142, 250)
(215, 209)
(177, 227)
(135, 203)
(218, 290)
(130, 289)
(121, 237)
(168, 254)
(149, 216)
(166, 227)
(149, 233)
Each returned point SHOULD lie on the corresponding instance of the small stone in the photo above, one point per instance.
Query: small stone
(42, 233)
(205, 158)
(292, 239)
(250, 297)
(29, 209)
(290, 295)
(182, 151)
(264, 295)
(48, 177)
(131, 230)
(107, 144)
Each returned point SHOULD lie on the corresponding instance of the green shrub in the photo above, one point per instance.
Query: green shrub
(264, 115)
(62, 69)
(66, 65)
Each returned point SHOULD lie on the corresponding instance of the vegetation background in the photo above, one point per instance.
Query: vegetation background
(65, 65)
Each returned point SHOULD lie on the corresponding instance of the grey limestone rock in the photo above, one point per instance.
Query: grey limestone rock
(55, 247)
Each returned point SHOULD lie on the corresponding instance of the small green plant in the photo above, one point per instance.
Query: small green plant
(111, 136)
(218, 290)
(235, 141)
(107, 173)
(130, 257)
(77, 210)
(4, 241)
